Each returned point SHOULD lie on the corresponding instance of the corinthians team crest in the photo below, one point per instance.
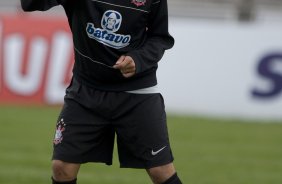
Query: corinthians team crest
(110, 23)
(139, 2)
(59, 132)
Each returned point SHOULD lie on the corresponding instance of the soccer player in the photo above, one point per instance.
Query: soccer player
(113, 92)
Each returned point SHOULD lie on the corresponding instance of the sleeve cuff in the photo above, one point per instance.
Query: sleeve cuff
(136, 61)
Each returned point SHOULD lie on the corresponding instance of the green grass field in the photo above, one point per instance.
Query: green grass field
(207, 151)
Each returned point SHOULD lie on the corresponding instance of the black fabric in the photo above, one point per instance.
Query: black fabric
(141, 31)
(90, 119)
(174, 179)
(65, 182)
(42, 5)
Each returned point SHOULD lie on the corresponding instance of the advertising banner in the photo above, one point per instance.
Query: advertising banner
(36, 59)
(224, 69)
(216, 69)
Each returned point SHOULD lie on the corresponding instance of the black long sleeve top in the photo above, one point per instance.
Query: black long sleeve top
(103, 30)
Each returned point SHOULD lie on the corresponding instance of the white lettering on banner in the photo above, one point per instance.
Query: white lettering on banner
(35, 64)
(1, 63)
(55, 87)
(23, 84)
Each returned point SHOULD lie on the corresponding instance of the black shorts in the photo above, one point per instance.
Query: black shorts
(90, 119)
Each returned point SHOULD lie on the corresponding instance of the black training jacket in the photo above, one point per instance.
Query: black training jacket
(103, 30)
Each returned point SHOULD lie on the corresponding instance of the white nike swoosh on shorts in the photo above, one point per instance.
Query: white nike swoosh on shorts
(156, 152)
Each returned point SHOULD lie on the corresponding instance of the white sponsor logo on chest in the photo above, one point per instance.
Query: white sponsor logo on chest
(110, 23)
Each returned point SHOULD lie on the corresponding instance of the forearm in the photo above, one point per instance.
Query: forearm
(151, 53)
(158, 39)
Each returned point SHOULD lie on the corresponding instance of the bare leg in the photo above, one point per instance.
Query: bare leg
(162, 173)
(63, 171)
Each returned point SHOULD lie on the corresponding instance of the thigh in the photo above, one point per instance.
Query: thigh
(142, 133)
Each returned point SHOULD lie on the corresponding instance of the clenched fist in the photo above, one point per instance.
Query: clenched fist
(126, 65)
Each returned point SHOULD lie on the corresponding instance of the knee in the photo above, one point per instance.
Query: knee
(162, 173)
(63, 171)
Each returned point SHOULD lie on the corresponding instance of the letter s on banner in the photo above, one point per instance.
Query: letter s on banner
(30, 61)
(270, 68)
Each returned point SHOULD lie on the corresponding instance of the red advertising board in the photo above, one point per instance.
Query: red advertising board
(36, 59)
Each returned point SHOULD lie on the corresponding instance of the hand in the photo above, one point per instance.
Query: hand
(126, 65)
